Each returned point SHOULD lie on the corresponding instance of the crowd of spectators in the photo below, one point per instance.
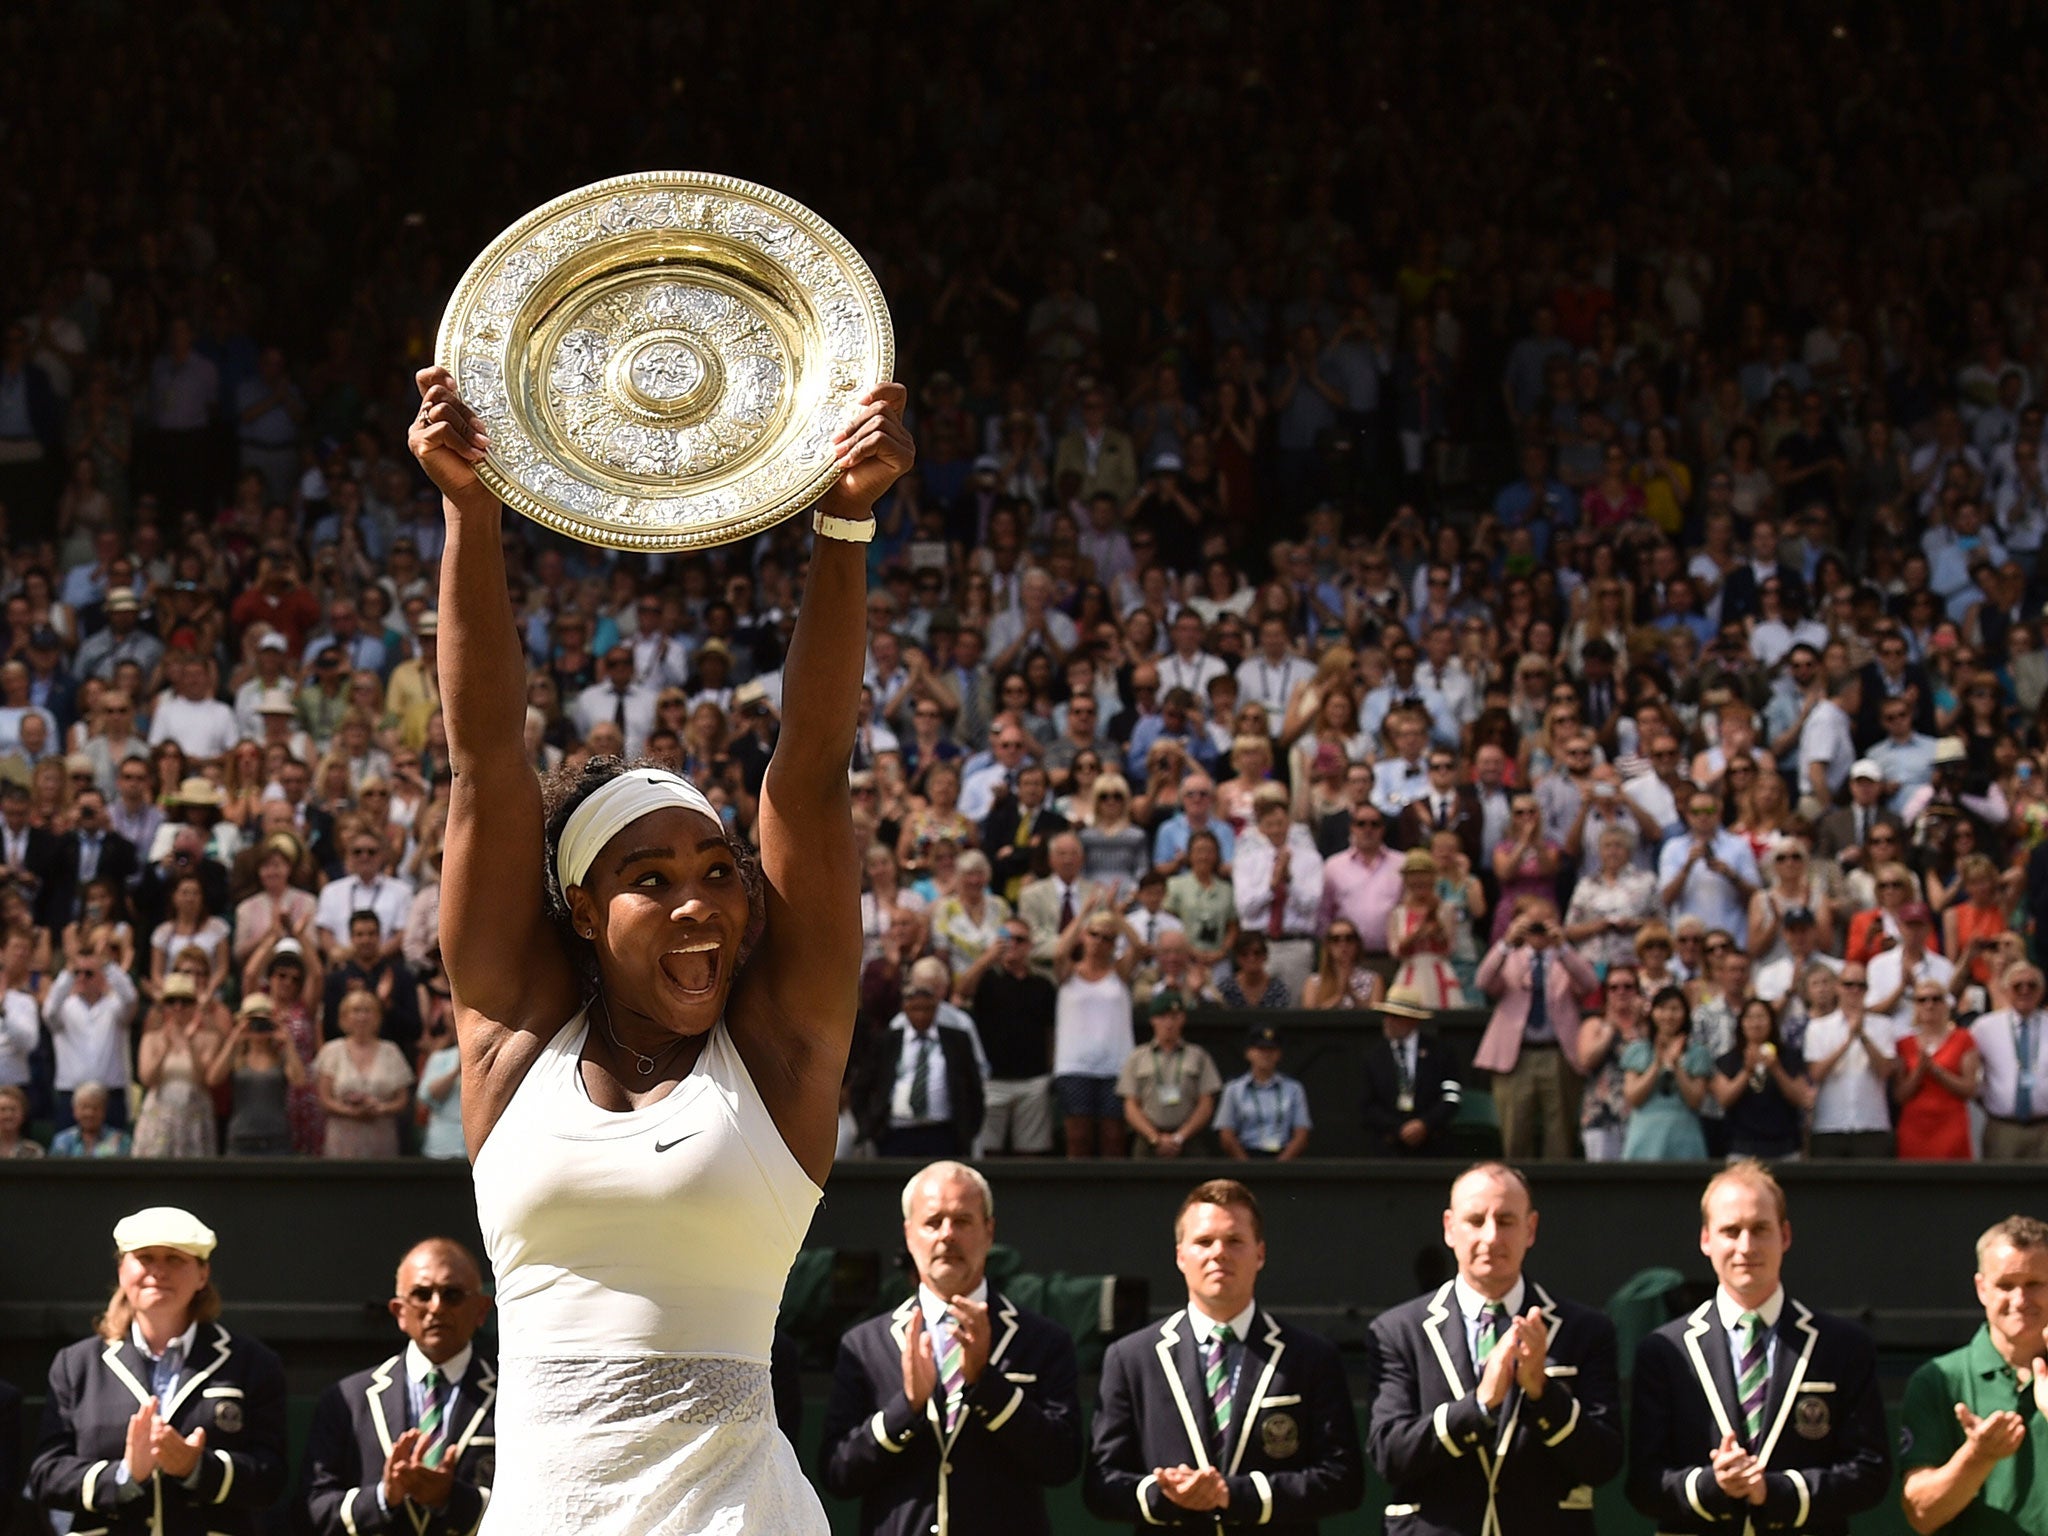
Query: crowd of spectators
(1469, 507)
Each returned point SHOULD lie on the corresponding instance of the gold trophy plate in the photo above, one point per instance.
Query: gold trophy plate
(663, 359)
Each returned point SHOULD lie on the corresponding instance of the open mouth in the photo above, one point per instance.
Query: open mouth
(693, 968)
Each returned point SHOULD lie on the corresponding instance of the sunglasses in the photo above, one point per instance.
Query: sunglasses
(451, 1295)
(1367, 821)
(1719, 949)
(1853, 986)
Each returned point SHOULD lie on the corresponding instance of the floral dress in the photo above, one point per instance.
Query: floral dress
(177, 1114)
(1428, 970)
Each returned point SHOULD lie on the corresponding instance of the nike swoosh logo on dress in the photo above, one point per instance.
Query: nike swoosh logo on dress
(663, 1146)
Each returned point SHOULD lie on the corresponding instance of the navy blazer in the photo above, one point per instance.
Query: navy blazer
(1824, 1448)
(1529, 1467)
(355, 1424)
(233, 1388)
(1292, 1457)
(1437, 1092)
(875, 1083)
(1020, 1435)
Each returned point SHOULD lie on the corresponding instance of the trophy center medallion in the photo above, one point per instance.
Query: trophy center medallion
(665, 375)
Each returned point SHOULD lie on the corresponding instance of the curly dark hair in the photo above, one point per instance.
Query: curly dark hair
(566, 788)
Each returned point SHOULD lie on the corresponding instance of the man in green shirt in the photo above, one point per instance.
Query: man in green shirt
(1973, 1432)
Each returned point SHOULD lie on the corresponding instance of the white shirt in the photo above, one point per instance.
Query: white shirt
(978, 790)
(933, 1305)
(1825, 739)
(91, 1039)
(20, 1025)
(1997, 1037)
(600, 701)
(205, 728)
(939, 1098)
(386, 895)
(1883, 976)
(1730, 1312)
(1190, 672)
(1272, 683)
(1774, 981)
(1252, 881)
(1852, 1097)
(1472, 1307)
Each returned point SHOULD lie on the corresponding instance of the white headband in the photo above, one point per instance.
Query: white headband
(635, 793)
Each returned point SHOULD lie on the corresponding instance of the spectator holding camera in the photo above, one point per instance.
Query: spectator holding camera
(265, 1069)
(1535, 981)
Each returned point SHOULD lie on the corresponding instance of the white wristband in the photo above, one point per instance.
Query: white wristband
(845, 529)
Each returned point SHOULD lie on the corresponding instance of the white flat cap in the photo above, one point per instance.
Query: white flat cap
(165, 1226)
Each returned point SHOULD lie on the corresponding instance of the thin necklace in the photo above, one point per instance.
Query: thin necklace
(645, 1064)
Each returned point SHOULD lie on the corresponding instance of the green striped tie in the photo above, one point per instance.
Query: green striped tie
(1752, 1382)
(430, 1419)
(1216, 1377)
(1493, 1326)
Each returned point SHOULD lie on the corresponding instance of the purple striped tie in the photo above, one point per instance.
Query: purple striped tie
(1216, 1376)
(951, 1376)
(1753, 1380)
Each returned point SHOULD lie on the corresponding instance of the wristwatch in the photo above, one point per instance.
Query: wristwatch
(846, 529)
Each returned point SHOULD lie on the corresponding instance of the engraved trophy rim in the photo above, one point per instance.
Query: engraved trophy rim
(685, 254)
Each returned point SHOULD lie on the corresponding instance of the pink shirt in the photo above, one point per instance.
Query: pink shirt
(1363, 894)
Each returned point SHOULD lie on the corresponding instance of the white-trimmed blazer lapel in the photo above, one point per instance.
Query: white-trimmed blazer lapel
(1446, 1330)
(1168, 1349)
(221, 1350)
(113, 1359)
(1703, 1325)
(1245, 1403)
(1802, 1323)
(381, 1381)
(485, 1386)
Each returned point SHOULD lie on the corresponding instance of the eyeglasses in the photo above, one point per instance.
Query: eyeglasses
(366, 848)
(1360, 822)
(1110, 794)
(451, 1295)
(1343, 938)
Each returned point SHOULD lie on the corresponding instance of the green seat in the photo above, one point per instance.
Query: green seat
(1646, 1301)
(1476, 1131)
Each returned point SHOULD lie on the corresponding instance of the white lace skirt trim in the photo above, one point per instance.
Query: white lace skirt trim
(665, 1445)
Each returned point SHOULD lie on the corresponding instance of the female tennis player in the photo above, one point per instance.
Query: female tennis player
(654, 1025)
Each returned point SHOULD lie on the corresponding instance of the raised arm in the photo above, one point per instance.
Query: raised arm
(793, 1006)
(509, 975)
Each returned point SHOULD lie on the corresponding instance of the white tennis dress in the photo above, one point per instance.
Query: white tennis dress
(640, 1259)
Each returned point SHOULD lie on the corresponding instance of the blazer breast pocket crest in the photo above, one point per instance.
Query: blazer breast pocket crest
(1280, 1436)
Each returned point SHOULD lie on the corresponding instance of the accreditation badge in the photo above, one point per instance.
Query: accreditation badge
(1169, 1094)
(227, 1416)
(1811, 1419)
(1280, 1437)
(1404, 1101)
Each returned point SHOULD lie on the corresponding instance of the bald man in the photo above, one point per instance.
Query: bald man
(1495, 1405)
(410, 1446)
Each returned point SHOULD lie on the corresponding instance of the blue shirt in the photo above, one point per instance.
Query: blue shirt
(1908, 764)
(1263, 1115)
(1171, 841)
(1150, 729)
